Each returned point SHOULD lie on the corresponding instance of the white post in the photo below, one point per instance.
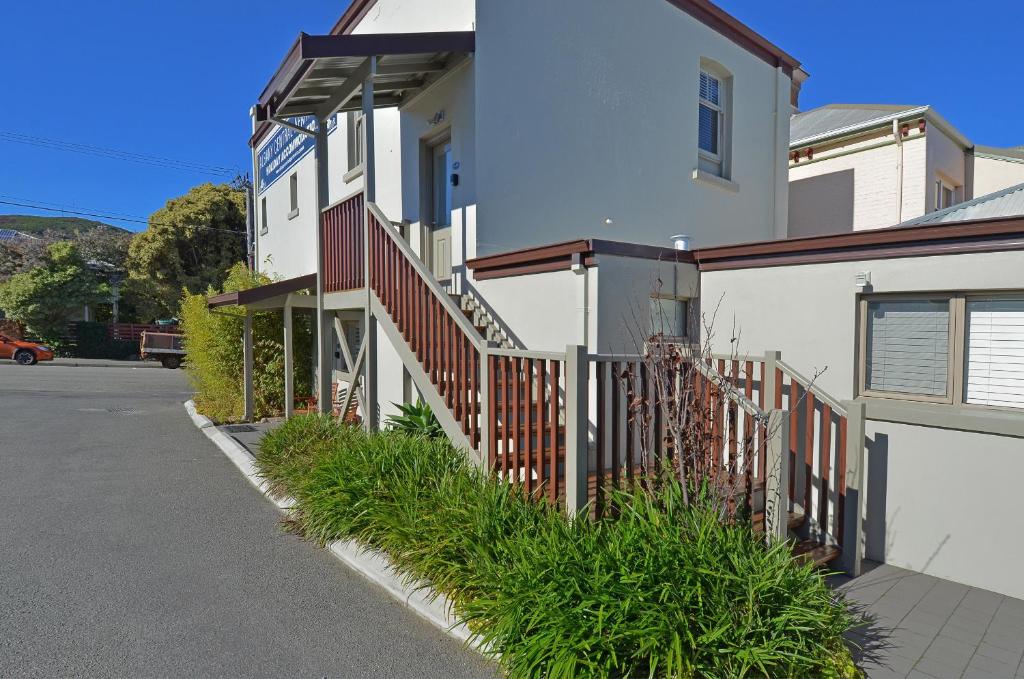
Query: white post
(324, 343)
(289, 386)
(370, 195)
(247, 367)
(776, 479)
(577, 413)
(485, 399)
(853, 516)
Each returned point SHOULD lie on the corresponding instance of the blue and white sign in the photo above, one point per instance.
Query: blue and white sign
(287, 147)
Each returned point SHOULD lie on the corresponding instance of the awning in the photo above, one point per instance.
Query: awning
(263, 293)
(323, 74)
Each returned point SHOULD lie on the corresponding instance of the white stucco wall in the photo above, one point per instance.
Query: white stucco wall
(587, 111)
(992, 174)
(946, 160)
(288, 248)
(926, 485)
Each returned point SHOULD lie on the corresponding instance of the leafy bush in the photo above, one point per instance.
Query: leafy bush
(665, 590)
(213, 345)
(416, 419)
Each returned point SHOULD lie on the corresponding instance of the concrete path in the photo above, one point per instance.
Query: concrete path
(926, 627)
(131, 547)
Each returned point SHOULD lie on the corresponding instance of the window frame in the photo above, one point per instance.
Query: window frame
(709, 164)
(686, 301)
(956, 375)
(293, 195)
(719, 110)
(354, 125)
(942, 185)
(265, 225)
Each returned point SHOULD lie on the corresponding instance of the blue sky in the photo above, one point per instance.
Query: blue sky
(176, 79)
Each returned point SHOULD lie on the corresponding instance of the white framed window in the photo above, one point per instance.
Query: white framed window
(263, 215)
(354, 129)
(293, 195)
(713, 124)
(963, 349)
(945, 194)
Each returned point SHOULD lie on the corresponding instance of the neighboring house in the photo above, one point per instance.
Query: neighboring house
(501, 243)
(867, 166)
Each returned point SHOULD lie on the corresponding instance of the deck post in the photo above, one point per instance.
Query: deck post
(324, 339)
(247, 367)
(776, 478)
(577, 418)
(289, 372)
(485, 409)
(771, 363)
(369, 196)
(853, 517)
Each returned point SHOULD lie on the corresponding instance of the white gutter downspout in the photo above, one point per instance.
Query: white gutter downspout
(780, 226)
(582, 297)
(899, 170)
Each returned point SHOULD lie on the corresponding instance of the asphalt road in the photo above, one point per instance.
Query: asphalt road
(131, 547)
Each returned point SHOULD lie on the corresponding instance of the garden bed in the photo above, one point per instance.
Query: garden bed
(665, 589)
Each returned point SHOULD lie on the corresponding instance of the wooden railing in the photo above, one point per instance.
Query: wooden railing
(817, 442)
(132, 332)
(444, 342)
(343, 255)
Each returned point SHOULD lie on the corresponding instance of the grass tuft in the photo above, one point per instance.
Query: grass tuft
(664, 590)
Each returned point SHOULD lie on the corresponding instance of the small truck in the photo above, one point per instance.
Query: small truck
(166, 347)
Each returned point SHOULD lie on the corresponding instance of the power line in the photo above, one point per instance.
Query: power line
(117, 154)
(115, 217)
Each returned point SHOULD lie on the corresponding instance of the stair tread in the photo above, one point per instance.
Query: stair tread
(793, 521)
(812, 551)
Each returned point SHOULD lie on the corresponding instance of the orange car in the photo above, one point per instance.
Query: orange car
(25, 353)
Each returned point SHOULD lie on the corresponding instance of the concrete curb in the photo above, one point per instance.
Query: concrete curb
(72, 363)
(373, 565)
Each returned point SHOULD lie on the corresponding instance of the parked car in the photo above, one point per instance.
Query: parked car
(25, 353)
(166, 347)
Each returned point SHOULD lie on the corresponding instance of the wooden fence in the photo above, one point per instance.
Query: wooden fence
(343, 255)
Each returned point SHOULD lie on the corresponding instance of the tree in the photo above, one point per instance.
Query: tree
(189, 245)
(46, 296)
(104, 244)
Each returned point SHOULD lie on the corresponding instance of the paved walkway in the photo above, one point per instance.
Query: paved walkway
(926, 627)
(131, 547)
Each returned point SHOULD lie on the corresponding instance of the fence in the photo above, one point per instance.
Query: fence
(343, 256)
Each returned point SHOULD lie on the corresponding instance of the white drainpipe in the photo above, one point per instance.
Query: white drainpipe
(899, 170)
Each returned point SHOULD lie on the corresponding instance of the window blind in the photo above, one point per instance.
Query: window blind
(908, 346)
(995, 352)
(710, 88)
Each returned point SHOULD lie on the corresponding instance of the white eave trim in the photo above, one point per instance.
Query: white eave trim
(927, 112)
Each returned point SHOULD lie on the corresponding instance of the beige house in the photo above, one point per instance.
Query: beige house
(864, 166)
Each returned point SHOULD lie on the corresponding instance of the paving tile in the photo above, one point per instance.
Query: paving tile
(1005, 639)
(1001, 654)
(952, 648)
(971, 634)
(982, 600)
(924, 622)
(916, 674)
(982, 666)
(940, 669)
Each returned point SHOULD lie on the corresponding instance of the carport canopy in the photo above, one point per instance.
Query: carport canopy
(270, 296)
(324, 74)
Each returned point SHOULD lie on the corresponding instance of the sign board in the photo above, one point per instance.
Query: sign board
(285, 148)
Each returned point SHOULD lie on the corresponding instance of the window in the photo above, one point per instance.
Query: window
(713, 121)
(945, 194)
(354, 126)
(293, 195)
(959, 349)
(669, 316)
(263, 215)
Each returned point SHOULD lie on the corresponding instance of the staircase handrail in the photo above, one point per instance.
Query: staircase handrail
(421, 270)
(730, 390)
(811, 387)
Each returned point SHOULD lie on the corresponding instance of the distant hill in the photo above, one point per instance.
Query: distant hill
(70, 226)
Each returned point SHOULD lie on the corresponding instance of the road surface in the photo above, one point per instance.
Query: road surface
(131, 547)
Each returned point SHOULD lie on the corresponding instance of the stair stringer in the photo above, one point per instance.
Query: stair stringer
(428, 389)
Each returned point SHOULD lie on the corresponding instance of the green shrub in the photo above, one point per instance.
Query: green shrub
(416, 419)
(213, 346)
(664, 590)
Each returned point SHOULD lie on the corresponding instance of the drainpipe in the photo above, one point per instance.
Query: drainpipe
(899, 170)
(583, 294)
(781, 225)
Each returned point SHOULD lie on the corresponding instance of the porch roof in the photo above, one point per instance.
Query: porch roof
(263, 293)
(323, 74)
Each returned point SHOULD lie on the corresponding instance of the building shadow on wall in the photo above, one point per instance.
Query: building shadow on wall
(821, 205)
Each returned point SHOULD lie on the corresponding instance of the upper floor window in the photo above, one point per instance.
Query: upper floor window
(263, 215)
(293, 195)
(713, 121)
(945, 194)
(354, 127)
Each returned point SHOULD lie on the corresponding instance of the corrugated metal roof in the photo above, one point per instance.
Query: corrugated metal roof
(832, 117)
(1006, 203)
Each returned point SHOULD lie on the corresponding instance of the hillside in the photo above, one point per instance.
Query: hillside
(70, 226)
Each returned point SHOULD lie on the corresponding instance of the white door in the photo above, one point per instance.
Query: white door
(441, 201)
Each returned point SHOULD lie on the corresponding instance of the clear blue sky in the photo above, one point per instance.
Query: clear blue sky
(176, 79)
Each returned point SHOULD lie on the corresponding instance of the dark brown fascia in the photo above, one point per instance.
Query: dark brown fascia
(561, 257)
(981, 235)
(243, 297)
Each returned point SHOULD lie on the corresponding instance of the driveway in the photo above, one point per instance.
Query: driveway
(130, 547)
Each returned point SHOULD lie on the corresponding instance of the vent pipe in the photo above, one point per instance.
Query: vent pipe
(681, 242)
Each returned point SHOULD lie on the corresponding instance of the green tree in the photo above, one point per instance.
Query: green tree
(46, 296)
(190, 244)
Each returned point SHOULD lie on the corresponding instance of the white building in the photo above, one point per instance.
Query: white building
(500, 240)
(869, 166)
